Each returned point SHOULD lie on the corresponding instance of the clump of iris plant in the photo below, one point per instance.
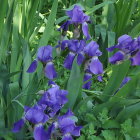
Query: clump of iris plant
(44, 55)
(127, 48)
(46, 112)
(85, 52)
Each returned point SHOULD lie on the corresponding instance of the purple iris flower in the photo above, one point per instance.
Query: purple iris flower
(92, 50)
(77, 16)
(44, 55)
(128, 48)
(54, 99)
(76, 48)
(36, 116)
(67, 126)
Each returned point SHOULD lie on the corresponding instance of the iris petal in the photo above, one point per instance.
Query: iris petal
(87, 77)
(118, 56)
(18, 125)
(80, 58)
(32, 67)
(44, 54)
(67, 137)
(50, 72)
(40, 133)
(136, 59)
(96, 66)
(69, 60)
(85, 30)
(76, 131)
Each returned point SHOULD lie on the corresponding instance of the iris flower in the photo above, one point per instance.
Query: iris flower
(44, 55)
(77, 17)
(128, 48)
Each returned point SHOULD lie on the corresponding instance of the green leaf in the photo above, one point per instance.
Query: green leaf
(127, 89)
(6, 32)
(118, 74)
(61, 19)
(128, 112)
(74, 85)
(91, 10)
(109, 124)
(3, 7)
(16, 41)
(108, 134)
(49, 27)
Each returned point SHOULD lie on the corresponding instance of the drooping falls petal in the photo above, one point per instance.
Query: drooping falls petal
(40, 133)
(87, 77)
(18, 125)
(96, 66)
(50, 71)
(80, 58)
(118, 56)
(69, 60)
(111, 48)
(136, 59)
(85, 30)
(76, 131)
(65, 26)
(36, 115)
(32, 67)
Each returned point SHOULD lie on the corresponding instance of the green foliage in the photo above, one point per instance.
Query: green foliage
(104, 113)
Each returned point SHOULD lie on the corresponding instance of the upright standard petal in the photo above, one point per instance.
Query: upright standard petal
(69, 60)
(50, 71)
(32, 67)
(85, 30)
(87, 77)
(40, 133)
(96, 66)
(136, 59)
(44, 54)
(124, 39)
(18, 125)
(92, 49)
(118, 56)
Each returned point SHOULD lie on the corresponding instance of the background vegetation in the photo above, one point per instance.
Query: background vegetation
(26, 25)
